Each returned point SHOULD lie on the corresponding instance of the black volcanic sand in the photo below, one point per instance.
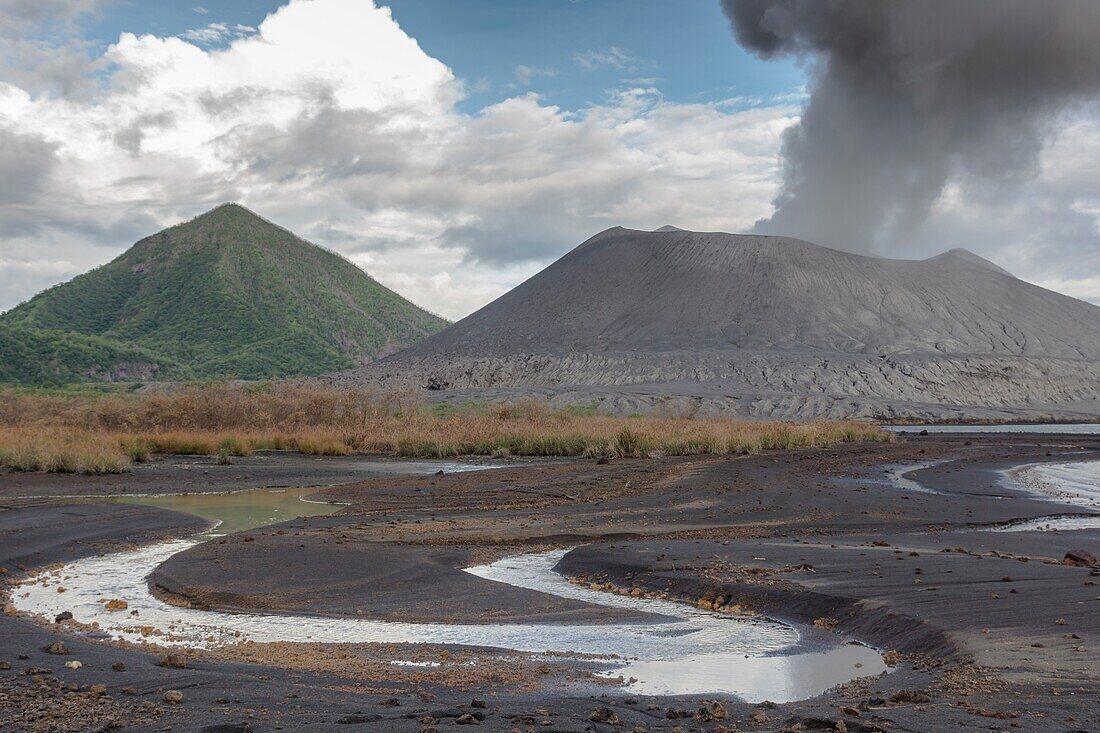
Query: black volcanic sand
(339, 577)
(996, 634)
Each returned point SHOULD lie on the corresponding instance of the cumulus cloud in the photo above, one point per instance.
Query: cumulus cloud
(332, 121)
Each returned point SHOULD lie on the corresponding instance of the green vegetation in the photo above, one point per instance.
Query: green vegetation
(227, 294)
(33, 356)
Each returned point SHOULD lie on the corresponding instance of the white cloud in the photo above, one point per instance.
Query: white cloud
(1085, 288)
(526, 74)
(330, 120)
(40, 48)
(217, 33)
(612, 56)
(19, 15)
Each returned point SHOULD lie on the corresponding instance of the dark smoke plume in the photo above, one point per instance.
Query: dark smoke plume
(909, 95)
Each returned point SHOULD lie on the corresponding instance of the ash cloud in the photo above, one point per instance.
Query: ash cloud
(907, 97)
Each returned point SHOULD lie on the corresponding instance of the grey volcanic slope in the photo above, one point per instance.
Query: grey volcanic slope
(769, 325)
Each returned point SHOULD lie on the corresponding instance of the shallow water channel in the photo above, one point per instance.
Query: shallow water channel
(1048, 428)
(685, 651)
(1076, 483)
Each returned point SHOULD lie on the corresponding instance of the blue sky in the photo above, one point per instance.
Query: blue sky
(574, 51)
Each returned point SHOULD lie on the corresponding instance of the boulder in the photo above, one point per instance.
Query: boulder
(711, 712)
(175, 661)
(1080, 558)
(604, 715)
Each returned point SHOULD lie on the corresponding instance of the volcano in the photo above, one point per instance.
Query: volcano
(767, 326)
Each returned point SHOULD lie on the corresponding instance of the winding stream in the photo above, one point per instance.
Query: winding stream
(692, 652)
(685, 651)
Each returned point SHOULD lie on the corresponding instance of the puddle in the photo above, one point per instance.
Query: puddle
(240, 510)
(236, 511)
(684, 651)
(755, 679)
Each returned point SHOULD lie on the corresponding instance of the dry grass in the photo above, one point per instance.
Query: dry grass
(61, 450)
(94, 434)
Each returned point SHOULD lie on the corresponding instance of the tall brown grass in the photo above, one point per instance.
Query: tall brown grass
(61, 450)
(106, 433)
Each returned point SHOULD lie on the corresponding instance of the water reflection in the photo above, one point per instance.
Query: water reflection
(776, 678)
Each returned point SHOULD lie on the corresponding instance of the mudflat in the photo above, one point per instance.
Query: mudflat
(203, 474)
(992, 630)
